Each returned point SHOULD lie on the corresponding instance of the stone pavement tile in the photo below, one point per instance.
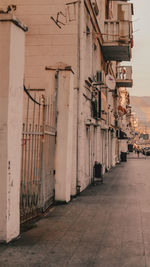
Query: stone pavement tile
(73, 243)
(108, 257)
(18, 257)
(133, 254)
(86, 261)
(146, 235)
(147, 249)
(71, 253)
(117, 222)
(111, 238)
(133, 261)
(29, 239)
(56, 258)
(147, 262)
(85, 254)
(4, 264)
(132, 248)
(74, 211)
(145, 221)
(132, 234)
(94, 234)
(146, 215)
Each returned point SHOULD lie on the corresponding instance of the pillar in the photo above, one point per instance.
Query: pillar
(65, 133)
(12, 37)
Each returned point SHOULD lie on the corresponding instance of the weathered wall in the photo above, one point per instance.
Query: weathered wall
(11, 101)
(64, 144)
(46, 43)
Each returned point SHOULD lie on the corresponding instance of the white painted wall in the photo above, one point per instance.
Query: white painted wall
(46, 44)
(64, 144)
(11, 101)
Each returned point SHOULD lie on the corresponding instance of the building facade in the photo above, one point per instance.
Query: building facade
(72, 76)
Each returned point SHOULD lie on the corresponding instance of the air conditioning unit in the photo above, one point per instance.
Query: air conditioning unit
(99, 78)
(125, 11)
(95, 7)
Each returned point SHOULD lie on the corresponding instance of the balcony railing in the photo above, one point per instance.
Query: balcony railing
(117, 40)
(124, 76)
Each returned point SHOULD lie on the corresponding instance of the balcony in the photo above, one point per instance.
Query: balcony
(117, 40)
(124, 76)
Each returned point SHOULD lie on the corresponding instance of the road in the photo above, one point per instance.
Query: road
(107, 225)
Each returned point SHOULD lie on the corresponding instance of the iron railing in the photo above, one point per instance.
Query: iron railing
(38, 150)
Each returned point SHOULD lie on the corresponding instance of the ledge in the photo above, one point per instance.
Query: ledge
(13, 19)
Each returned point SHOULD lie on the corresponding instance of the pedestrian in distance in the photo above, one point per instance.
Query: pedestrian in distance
(138, 152)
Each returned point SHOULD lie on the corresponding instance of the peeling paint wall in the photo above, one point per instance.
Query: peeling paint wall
(11, 107)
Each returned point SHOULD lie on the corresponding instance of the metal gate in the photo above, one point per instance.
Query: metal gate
(38, 151)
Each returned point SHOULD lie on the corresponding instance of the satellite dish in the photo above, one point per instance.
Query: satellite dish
(110, 82)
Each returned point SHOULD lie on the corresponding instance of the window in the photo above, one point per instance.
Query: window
(96, 105)
(107, 9)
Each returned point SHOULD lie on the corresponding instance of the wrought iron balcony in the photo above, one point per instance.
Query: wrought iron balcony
(117, 40)
(124, 76)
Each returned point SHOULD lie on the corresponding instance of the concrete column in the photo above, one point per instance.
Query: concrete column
(107, 149)
(65, 133)
(11, 106)
(114, 150)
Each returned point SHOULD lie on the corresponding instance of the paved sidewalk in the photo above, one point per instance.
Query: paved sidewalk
(135, 156)
(108, 225)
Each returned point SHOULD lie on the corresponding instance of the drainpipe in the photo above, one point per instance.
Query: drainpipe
(78, 93)
(57, 84)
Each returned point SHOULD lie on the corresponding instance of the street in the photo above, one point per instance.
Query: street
(107, 225)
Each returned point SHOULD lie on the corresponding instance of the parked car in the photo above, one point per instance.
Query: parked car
(146, 151)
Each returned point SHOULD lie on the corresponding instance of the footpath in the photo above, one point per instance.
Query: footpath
(107, 225)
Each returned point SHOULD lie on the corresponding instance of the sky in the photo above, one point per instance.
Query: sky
(141, 51)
